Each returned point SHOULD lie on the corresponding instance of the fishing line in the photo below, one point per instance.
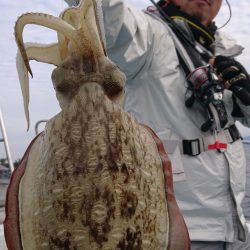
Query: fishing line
(230, 15)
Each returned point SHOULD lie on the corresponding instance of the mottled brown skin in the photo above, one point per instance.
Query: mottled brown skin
(96, 176)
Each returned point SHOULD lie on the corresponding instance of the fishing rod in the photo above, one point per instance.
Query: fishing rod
(202, 81)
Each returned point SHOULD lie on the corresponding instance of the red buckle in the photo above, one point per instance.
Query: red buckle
(217, 145)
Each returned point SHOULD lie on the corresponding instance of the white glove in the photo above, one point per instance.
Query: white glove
(72, 2)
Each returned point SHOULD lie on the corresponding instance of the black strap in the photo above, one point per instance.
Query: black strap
(234, 132)
(193, 147)
(182, 63)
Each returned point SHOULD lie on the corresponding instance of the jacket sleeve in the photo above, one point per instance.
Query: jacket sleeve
(244, 111)
(227, 46)
(128, 35)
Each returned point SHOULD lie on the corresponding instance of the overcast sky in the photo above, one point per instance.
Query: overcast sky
(43, 104)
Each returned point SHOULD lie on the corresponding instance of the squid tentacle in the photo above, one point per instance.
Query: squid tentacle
(45, 20)
(48, 53)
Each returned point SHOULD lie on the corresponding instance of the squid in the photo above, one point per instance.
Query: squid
(95, 178)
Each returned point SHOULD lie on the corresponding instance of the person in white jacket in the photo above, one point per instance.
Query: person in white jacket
(195, 121)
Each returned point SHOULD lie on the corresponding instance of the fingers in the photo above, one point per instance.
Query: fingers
(230, 71)
(234, 80)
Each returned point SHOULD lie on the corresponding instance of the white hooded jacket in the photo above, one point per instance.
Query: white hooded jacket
(209, 186)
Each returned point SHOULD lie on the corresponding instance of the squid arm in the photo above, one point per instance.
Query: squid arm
(47, 53)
